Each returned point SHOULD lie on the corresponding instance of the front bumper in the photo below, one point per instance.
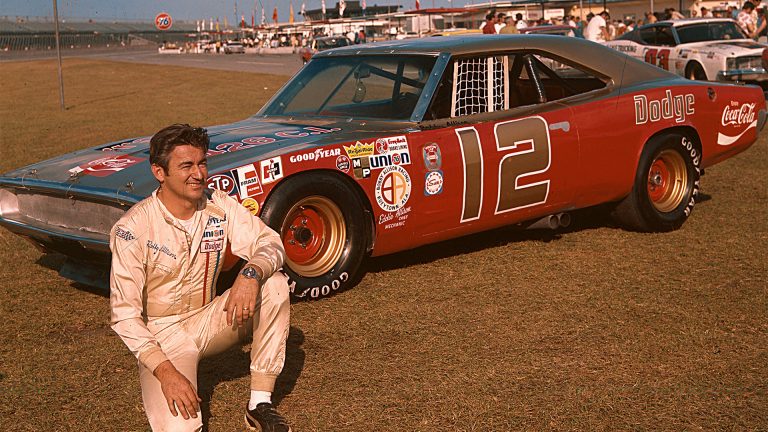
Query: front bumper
(745, 75)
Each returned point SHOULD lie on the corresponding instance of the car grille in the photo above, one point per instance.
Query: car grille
(67, 216)
(750, 62)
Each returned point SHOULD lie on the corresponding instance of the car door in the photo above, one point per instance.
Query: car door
(660, 50)
(507, 152)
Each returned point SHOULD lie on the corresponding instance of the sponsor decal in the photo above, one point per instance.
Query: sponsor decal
(342, 163)
(249, 142)
(669, 107)
(211, 245)
(359, 150)
(626, 48)
(222, 182)
(213, 236)
(124, 234)
(160, 248)
(433, 183)
(271, 170)
(433, 158)
(126, 145)
(393, 188)
(252, 205)
(736, 116)
(361, 167)
(315, 155)
(392, 144)
(711, 55)
(106, 166)
(390, 151)
(395, 219)
(248, 181)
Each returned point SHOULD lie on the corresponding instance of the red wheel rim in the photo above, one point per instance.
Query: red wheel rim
(667, 181)
(313, 234)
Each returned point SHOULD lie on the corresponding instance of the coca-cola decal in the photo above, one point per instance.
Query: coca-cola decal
(739, 116)
(106, 166)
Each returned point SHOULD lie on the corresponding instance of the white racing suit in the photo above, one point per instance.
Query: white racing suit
(163, 288)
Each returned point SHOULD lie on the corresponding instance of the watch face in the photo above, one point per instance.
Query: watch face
(250, 272)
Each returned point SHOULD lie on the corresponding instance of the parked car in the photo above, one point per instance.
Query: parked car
(559, 30)
(384, 147)
(321, 44)
(233, 47)
(714, 49)
(170, 48)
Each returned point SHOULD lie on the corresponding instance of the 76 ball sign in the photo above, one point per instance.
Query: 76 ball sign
(163, 21)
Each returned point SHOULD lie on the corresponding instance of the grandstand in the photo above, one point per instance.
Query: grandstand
(23, 35)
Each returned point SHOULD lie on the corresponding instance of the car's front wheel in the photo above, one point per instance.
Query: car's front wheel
(665, 187)
(325, 231)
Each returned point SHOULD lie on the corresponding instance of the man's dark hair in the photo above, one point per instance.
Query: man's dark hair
(165, 140)
(489, 17)
(518, 16)
(748, 5)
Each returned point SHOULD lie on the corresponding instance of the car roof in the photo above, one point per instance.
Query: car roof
(595, 56)
(689, 21)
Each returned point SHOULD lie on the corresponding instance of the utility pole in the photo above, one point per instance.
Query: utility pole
(58, 53)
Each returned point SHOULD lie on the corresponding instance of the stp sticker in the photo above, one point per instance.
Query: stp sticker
(222, 182)
(433, 158)
(393, 188)
(433, 183)
(271, 170)
(248, 181)
(342, 163)
(106, 166)
(252, 205)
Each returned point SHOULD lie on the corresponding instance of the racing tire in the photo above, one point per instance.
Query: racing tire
(695, 72)
(325, 229)
(665, 187)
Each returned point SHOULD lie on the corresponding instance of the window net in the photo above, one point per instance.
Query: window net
(480, 84)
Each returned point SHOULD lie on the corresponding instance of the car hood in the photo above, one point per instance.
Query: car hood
(729, 48)
(122, 167)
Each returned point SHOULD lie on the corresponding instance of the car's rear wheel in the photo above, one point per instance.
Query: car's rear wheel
(694, 71)
(665, 187)
(325, 231)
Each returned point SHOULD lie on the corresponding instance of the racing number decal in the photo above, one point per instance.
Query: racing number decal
(528, 140)
(527, 147)
(658, 58)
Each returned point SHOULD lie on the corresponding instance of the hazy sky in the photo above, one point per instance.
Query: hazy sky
(186, 9)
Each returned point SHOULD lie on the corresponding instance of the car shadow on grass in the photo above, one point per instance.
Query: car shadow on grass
(234, 364)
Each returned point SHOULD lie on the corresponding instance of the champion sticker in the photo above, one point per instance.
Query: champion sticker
(393, 188)
(433, 183)
(271, 170)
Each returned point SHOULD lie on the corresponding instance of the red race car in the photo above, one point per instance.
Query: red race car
(384, 147)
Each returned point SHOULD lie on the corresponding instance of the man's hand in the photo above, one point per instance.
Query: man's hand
(242, 296)
(178, 391)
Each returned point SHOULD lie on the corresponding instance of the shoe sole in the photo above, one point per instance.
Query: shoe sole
(257, 428)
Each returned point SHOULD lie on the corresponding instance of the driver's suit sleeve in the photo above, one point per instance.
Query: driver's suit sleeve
(126, 282)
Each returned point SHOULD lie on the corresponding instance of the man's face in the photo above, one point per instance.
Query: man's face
(187, 173)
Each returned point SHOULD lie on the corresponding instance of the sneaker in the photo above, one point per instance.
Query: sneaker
(265, 418)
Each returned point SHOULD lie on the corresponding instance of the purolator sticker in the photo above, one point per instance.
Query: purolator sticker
(393, 188)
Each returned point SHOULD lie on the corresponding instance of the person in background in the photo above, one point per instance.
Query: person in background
(489, 27)
(571, 23)
(762, 28)
(520, 22)
(500, 18)
(650, 18)
(597, 29)
(744, 18)
(509, 27)
(706, 13)
(579, 32)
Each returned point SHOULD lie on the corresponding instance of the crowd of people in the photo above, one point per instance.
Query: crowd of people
(600, 27)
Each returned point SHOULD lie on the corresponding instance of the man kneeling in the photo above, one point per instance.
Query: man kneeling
(166, 255)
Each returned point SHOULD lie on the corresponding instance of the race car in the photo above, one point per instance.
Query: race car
(321, 44)
(714, 49)
(374, 149)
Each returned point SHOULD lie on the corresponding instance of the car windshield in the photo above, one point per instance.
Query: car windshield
(713, 31)
(380, 87)
(324, 44)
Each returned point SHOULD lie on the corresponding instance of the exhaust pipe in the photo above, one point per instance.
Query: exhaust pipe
(555, 221)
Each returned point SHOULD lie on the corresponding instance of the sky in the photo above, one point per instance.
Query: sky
(190, 10)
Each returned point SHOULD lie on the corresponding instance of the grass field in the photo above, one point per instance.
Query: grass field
(590, 329)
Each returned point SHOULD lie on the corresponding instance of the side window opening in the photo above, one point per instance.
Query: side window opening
(479, 85)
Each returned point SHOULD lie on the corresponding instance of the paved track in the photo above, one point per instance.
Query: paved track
(277, 64)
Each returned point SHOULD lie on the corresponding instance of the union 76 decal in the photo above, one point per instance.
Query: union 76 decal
(527, 151)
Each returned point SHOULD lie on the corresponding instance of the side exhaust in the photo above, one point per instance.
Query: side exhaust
(555, 221)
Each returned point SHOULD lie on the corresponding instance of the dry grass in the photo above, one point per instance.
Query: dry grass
(592, 329)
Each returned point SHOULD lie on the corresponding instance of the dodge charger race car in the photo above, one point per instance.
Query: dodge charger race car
(714, 49)
(375, 149)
